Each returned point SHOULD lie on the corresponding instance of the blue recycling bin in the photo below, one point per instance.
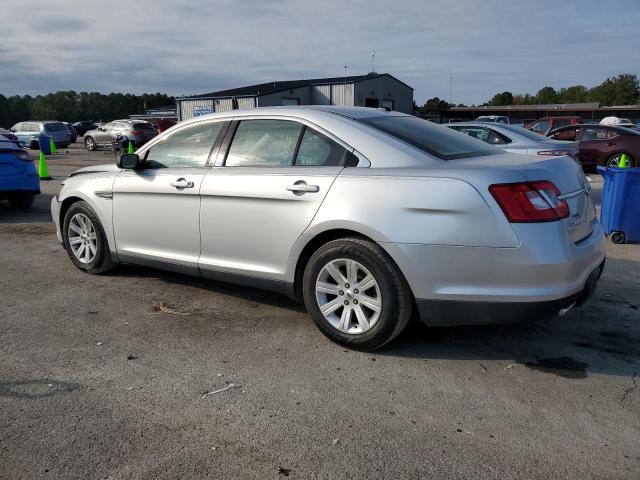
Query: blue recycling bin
(620, 206)
(45, 144)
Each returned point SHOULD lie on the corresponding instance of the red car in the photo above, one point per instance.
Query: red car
(544, 125)
(601, 144)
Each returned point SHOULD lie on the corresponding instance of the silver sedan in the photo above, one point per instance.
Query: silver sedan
(515, 139)
(368, 217)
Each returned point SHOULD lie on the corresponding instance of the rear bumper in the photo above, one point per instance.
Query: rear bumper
(451, 312)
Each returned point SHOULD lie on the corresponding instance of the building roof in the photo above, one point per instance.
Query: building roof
(274, 87)
(531, 108)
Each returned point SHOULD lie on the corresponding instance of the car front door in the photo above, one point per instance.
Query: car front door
(102, 135)
(156, 209)
(263, 193)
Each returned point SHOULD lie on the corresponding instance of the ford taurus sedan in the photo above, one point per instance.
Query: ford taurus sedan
(368, 217)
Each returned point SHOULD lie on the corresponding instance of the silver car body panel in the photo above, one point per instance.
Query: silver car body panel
(436, 219)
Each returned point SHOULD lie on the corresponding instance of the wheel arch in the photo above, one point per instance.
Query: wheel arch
(310, 242)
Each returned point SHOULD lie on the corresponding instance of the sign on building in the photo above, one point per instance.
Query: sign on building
(199, 110)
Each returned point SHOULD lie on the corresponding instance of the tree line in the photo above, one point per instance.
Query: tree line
(71, 106)
(620, 90)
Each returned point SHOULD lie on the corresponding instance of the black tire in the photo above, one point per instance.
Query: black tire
(618, 237)
(22, 201)
(102, 261)
(612, 158)
(90, 144)
(34, 145)
(397, 300)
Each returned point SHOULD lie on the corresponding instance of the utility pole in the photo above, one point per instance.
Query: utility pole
(373, 62)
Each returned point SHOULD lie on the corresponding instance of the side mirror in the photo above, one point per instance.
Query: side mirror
(129, 161)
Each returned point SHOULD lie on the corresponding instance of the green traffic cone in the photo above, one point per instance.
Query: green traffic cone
(43, 171)
(624, 161)
(130, 149)
(52, 145)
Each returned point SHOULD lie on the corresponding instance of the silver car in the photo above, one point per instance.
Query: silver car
(135, 131)
(366, 216)
(516, 139)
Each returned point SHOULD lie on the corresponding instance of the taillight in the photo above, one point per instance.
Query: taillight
(528, 202)
(136, 132)
(557, 153)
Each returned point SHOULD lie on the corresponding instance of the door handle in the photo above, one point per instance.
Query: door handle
(181, 183)
(300, 188)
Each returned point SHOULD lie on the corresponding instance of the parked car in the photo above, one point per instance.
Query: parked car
(544, 125)
(600, 144)
(617, 121)
(362, 214)
(28, 133)
(493, 119)
(8, 135)
(516, 139)
(83, 127)
(74, 132)
(135, 131)
(19, 181)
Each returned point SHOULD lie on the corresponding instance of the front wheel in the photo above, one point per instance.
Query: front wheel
(355, 294)
(90, 144)
(85, 240)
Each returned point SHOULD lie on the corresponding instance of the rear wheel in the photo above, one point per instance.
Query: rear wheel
(355, 294)
(85, 240)
(90, 144)
(34, 145)
(618, 237)
(22, 201)
(614, 160)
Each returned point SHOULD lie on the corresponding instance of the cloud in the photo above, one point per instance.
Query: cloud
(190, 46)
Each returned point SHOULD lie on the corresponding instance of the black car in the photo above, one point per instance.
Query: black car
(74, 132)
(83, 127)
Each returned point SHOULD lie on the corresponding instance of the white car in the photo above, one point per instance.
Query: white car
(366, 216)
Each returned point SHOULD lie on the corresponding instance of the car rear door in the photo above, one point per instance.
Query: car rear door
(267, 186)
(156, 209)
(592, 141)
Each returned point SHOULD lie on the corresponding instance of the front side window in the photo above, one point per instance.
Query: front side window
(436, 140)
(269, 143)
(188, 147)
(317, 150)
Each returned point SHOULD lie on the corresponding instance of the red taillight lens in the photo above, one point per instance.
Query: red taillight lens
(136, 132)
(530, 201)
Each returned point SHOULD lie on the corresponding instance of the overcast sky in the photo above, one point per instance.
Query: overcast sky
(198, 46)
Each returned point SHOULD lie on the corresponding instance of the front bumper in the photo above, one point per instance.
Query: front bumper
(55, 215)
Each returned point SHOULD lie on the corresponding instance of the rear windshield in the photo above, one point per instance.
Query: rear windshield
(143, 126)
(437, 140)
(55, 127)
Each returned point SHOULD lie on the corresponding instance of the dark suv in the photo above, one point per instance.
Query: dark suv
(134, 131)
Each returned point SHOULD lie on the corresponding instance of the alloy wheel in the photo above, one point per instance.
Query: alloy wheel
(83, 240)
(348, 296)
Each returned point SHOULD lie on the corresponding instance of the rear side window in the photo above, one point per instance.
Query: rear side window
(436, 140)
(189, 147)
(317, 150)
(55, 127)
(540, 127)
(264, 143)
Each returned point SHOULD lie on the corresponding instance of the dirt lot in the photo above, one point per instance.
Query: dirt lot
(107, 376)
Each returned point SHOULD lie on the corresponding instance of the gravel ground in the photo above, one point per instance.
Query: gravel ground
(147, 374)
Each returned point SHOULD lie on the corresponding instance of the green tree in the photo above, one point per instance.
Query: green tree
(574, 94)
(546, 95)
(499, 99)
(435, 103)
(621, 90)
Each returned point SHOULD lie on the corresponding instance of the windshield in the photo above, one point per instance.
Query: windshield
(437, 140)
(55, 127)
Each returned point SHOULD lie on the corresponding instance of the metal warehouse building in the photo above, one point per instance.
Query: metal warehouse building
(371, 90)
